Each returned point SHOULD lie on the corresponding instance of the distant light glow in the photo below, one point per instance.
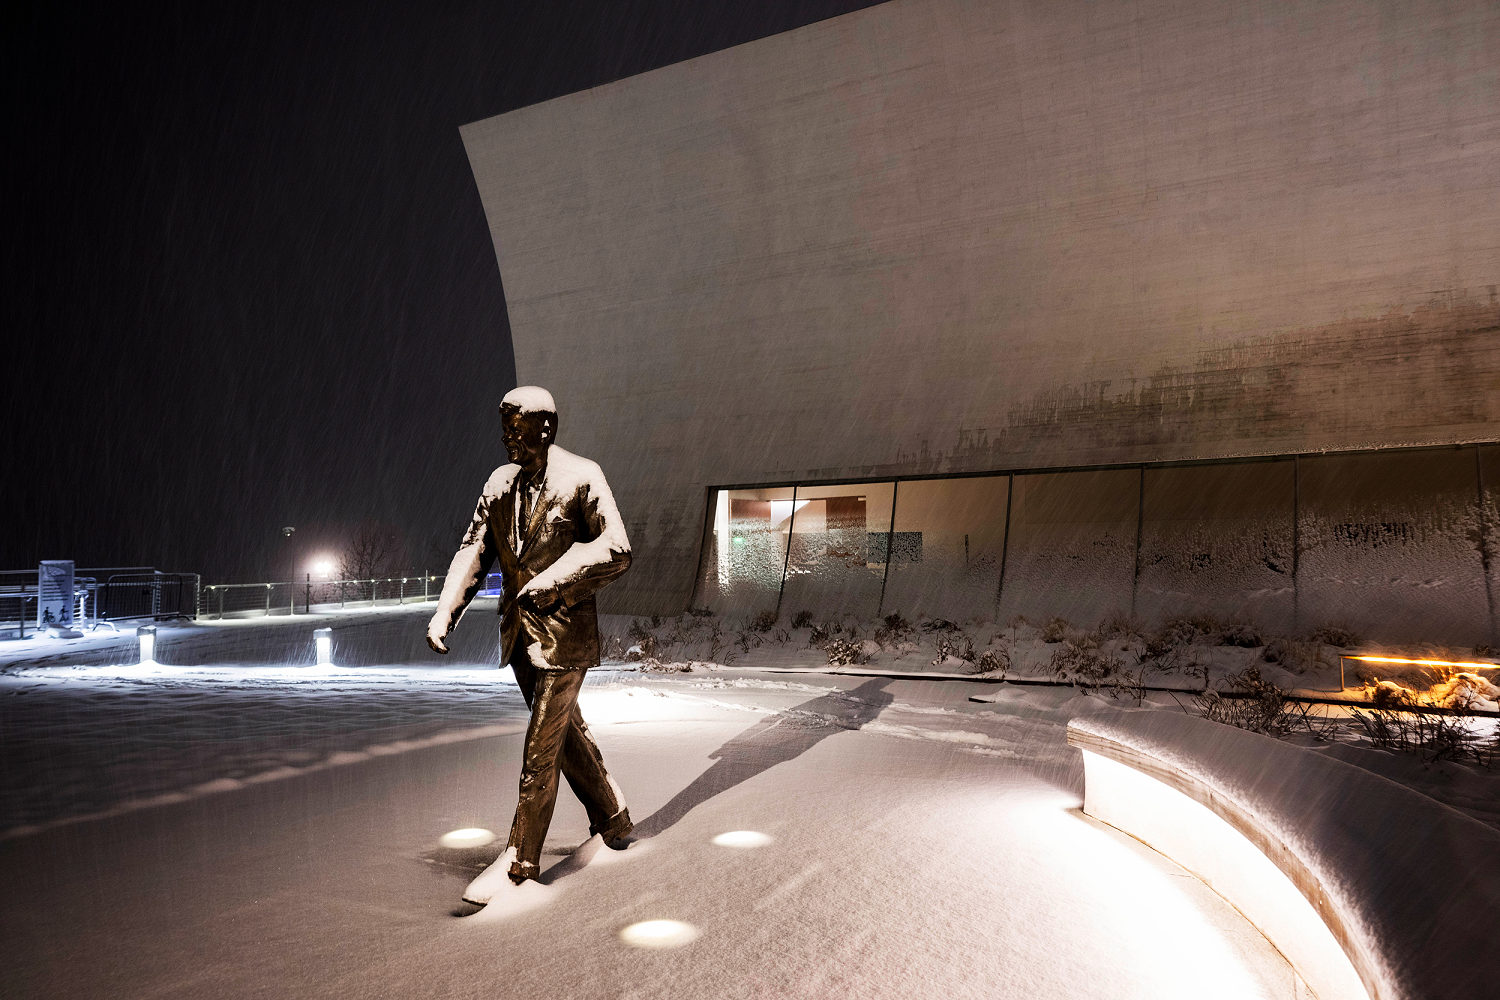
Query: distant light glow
(147, 636)
(1423, 663)
(659, 934)
(743, 839)
(323, 640)
(469, 836)
(323, 566)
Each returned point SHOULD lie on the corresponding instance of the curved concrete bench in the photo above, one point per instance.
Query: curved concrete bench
(1368, 888)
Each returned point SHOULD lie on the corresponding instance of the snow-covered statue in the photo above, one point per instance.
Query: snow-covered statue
(550, 520)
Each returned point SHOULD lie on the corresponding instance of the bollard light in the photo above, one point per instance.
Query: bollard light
(147, 636)
(323, 640)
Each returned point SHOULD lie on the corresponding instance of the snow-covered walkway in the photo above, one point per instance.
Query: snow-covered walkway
(913, 844)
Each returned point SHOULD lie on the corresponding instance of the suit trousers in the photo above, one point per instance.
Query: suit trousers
(557, 739)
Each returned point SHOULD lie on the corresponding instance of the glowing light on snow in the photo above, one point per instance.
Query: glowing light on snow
(1208, 846)
(322, 567)
(743, 839)
(323, 640)
(1404, 661)
(1422, 663)
(659, 934)
(147, 636)
(469, 836)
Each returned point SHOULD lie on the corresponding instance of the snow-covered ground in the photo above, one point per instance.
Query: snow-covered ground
(236, 825)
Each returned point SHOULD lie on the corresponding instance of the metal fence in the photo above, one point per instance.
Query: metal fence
(239, 600)
(102, 596)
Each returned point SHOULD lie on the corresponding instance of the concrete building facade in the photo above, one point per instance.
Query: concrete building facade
(1098, 256)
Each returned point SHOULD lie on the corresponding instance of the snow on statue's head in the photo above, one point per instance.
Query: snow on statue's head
(533, 401)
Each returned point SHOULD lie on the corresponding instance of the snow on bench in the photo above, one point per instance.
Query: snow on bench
(1370, 890)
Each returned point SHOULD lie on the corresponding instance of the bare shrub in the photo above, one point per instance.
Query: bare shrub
(1084, 663)
(1242, 635)
(1087, 665)
(1256, 704)
(939, 625)
(647, 645)
(763, 622)
(1332, 635)
(991, 661)
(719, 650)
(801, 619)
(748, 640)
(1119, 628)
(1174, 634)
(613, 648)
(1056, 630)
(1292, 654)
(954, 644)
(845, 651)
(1433, 735)
(654, 665)
(893, 629)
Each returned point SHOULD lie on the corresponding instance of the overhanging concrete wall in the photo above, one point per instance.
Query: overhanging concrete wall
(939, 235)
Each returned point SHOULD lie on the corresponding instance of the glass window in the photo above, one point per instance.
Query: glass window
(1072, 546)
(1217, 540)
(947, 548)
(745, 551)
(837, 559)
(1389, 546)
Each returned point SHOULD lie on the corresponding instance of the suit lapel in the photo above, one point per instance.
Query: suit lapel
(534, 521)
(508, 518)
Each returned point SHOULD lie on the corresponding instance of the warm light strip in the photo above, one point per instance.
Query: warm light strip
(1424, 663)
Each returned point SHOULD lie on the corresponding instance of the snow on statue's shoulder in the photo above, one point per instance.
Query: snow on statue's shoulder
(567, 471)
(501, 479)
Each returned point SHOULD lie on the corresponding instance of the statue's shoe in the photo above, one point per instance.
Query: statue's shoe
(497, 878)
(615, 832)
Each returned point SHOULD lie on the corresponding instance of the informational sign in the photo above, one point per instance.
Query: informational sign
(54, 605)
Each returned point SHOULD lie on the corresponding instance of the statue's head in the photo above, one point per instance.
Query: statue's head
(528, 418)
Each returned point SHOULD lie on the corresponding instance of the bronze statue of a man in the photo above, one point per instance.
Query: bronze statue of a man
(549, 518)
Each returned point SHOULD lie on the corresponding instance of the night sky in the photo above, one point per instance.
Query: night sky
(248, 281)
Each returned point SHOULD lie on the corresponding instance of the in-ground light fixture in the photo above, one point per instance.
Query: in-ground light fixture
(323, 642)
(146, 635)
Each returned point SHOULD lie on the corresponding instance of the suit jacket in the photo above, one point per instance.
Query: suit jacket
(573, 541)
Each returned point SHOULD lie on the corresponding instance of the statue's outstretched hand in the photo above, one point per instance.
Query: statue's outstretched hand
(435, 637)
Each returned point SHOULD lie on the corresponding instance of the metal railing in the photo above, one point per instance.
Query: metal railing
(242, 600)
(125, 593)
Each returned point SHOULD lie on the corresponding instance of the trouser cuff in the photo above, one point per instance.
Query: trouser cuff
(617, 827)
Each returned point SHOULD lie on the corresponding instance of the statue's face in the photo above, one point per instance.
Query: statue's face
(525, 436)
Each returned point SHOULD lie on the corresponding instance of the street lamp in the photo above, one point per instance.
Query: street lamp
(291, 581)
(323, 567)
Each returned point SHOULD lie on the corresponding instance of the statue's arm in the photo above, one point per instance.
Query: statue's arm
(466, 573)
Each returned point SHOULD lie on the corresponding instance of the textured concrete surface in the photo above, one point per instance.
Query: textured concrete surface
(940, 235)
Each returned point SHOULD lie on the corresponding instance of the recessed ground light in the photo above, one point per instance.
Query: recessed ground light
(743, 838)
(469, 836)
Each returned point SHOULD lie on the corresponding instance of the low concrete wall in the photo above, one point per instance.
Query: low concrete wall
(1402, 886)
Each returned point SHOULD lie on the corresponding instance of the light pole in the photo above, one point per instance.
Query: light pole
(286, 533)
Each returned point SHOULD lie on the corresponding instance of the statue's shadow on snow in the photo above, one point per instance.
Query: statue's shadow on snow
(773, 740)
